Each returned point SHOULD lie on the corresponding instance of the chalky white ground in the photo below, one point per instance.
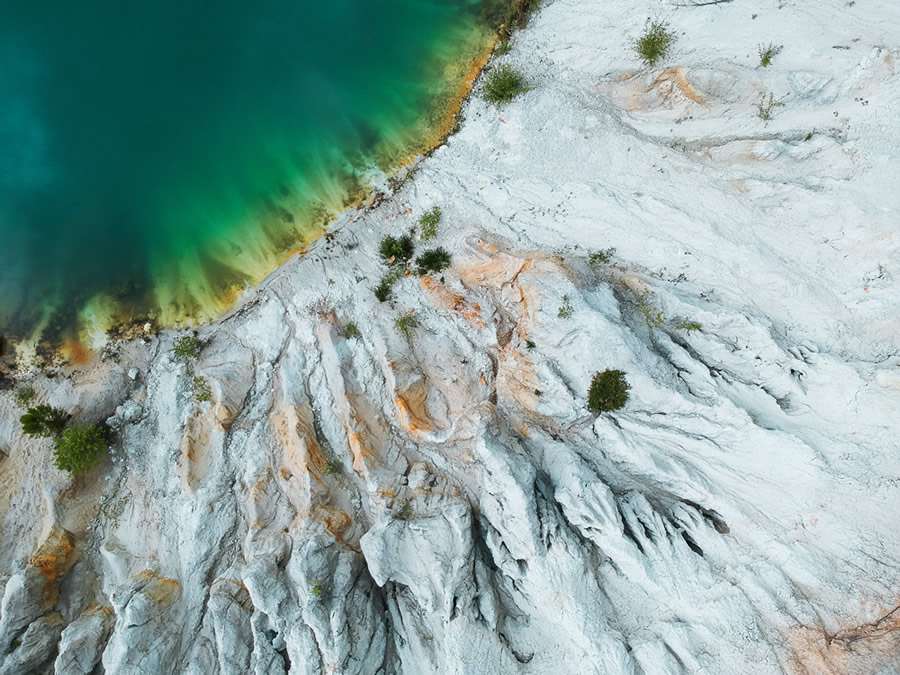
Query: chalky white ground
(739, 515)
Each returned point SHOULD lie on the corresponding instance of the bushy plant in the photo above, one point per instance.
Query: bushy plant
(43, 420)
(202, 389)
(429, 222)
(79, 448)
(384, 289)
(689, 325)
(349, 330)
(25, 395)
(608, 391)
(188, 347)
(601, 257)
(396, 249)
(433, 260)
(503, 85)
(656, 41)
(767, 53)
(565, 310)
(765, 107)
(405, 512)
(406, 323)
(653, 317)
(333, 468)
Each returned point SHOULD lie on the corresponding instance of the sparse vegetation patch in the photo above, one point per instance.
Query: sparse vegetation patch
(25, 395)
(188, 347)
(768, 52)
(655, 42)
(766, 106)
(202, 389)
(349, 330)
(406, 323)
(565, 310)
(333, 468)
(601, 257)
(405, 512)
(385, 287)
(429, 222)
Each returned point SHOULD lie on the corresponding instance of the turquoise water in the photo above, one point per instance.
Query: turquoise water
(157, 156)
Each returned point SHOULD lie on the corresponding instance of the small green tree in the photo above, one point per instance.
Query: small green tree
(433, 260)
(765, 107)
(43, 420)
(503, 85)
(333, 467)
(349, 331)
(405, 324)
(654, 45)
(429, 222)
(202, 389)
(608, 391)
(603, 257)
(768, 52)
(188, 347)
(397, 249)
(79, 448)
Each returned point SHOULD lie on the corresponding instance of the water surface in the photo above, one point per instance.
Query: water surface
(154, 157)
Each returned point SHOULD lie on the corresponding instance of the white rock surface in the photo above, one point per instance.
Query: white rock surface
(739, 515)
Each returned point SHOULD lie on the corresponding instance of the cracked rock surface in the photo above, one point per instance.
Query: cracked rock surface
(441, 500)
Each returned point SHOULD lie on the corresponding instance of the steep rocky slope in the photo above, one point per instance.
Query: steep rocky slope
(441, 501)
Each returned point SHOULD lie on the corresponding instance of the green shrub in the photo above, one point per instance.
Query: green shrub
(188, 347)
(601, 257)
(434, 260)
(202, 389)
(768, 52)
(765, 107)
(503, 85)
(406, 323)
(384, 289)
(349, 330)
(689, 325)
(608, 391)
(333, 468)
(655, 43)
(405, 512)
(79, 448)
(396, 249)
(652, 316)
(538, 393)
(565, 311)
(43, 420)
(25, 395)
(429, 222)
(530, 344)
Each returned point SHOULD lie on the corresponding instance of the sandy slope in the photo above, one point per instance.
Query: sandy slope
(738, 516)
